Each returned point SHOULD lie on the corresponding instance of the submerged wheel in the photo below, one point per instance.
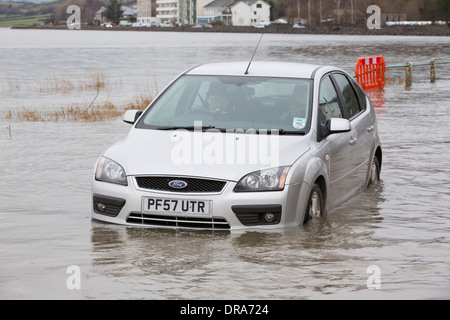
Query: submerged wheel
(374, 176)
(314, 208)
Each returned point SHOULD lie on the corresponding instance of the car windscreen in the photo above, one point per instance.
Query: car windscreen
(232, 103)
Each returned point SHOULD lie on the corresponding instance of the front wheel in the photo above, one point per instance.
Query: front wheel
(314, 208)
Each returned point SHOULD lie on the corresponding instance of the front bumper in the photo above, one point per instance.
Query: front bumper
(229, 210)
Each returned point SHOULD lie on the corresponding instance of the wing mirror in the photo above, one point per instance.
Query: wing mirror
(334, 125)
(338, 125)
(131, 116)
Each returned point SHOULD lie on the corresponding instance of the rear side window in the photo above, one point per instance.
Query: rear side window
(351, 103)
(361, 94)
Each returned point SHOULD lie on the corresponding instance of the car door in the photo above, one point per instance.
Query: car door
(360, 140)
(339, 145)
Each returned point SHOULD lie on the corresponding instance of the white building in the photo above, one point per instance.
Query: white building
(250, 12)
(236, 12)
(168, 10)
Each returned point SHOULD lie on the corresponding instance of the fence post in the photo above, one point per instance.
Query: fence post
(408, 75)
(433, 70)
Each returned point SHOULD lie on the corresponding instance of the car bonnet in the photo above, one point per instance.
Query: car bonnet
(219, 155)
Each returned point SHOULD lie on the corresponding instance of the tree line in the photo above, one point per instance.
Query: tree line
(353, 12)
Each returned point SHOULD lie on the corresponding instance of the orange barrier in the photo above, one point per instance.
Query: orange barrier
(370, 72)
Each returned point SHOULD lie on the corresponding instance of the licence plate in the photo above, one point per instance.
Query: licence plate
(175, 206)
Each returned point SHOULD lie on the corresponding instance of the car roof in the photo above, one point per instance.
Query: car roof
(257, 68)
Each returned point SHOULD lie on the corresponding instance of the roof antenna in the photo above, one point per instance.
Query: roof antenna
(246, 71)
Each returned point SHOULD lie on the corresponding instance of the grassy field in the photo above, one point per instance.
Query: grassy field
(25, 13)
(11, 21)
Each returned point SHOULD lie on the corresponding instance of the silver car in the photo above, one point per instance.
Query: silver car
(230, 146)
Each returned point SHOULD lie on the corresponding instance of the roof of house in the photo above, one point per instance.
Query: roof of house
(249, 2)
(218, 3)
(127, 11)
(223, 3)
(101, 10)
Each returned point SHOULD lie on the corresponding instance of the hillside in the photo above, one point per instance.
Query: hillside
(26, 13)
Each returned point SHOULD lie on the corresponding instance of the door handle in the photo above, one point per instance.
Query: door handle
(370, 129)
(352, 141)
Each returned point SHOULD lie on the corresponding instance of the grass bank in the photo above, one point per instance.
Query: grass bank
(96, 112)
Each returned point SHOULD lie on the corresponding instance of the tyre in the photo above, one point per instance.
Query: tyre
(374, 175)
(314, 207)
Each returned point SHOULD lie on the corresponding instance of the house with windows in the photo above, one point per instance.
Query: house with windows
(236, 12)
(188, 11)
(229, 12)
(212, 11)
(100, 16)
(168, 10)
(249, 12)
(129, 12)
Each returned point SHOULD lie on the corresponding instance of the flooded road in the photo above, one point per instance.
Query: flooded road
(398, 230)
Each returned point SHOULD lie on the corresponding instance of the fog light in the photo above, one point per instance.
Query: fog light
(269, 217)
(101, 207)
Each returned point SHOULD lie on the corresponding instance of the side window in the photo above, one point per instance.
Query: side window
(328, 101)
(351, 103)
(361, 93)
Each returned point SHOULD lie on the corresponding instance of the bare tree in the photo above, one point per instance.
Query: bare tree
(360, 8)
(320, 12)
(309, 12)
(352, 12)
(338, 10)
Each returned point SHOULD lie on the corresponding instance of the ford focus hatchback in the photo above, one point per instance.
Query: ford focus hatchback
(230, 146)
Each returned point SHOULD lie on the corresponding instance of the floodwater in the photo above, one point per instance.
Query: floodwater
(397, 232)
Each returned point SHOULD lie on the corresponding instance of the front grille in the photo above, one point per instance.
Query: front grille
(194, 185)
(215, 223)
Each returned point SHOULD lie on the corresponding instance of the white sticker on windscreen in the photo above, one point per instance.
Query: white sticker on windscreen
(299, 123)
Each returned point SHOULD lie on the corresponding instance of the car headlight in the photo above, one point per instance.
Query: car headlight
(272, 179)
(110, 171)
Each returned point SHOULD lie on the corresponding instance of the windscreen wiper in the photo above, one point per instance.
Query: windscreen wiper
(280, 132)
(293, 132)
(192, 128)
